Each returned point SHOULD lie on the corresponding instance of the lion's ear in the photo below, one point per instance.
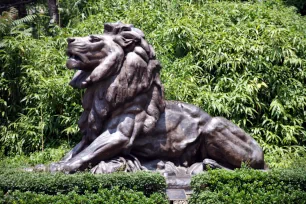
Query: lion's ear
(127, 40)
(108, 28)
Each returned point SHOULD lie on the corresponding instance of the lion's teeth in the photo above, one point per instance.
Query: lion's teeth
(72, 57)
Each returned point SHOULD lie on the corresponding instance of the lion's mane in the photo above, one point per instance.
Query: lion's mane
(135, 75)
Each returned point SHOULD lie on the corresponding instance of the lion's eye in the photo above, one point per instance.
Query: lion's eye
(94, 39)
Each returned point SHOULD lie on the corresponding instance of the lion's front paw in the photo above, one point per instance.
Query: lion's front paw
(56, 167)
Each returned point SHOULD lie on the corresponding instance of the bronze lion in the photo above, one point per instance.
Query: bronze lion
(125, 111)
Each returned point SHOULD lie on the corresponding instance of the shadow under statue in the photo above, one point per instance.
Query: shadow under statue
(128, 125)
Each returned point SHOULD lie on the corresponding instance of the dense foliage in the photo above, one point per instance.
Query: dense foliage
(246, 63)
(52, 184)
(216, 186)
(114, 196)
(250, 186)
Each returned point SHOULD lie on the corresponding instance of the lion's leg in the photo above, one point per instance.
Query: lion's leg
(89, 130)
(106, 146)
(76, 149)
(58, 166)
(229, 145)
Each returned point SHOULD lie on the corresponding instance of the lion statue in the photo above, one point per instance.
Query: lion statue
(125, 112)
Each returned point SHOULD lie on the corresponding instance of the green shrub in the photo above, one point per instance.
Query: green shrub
(249, 186)
(47, 183)
(112, 196)
(287, 161)
(39, 157)
(40, 107)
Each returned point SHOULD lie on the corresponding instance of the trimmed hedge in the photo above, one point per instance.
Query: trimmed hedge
(249, 186)
(113, 196)
(52, 184)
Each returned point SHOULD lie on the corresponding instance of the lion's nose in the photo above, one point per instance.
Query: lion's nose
(70, 40)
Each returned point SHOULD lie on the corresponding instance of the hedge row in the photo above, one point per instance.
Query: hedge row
(52, 184)
(250, 186)
(113, 196)
(215, 186)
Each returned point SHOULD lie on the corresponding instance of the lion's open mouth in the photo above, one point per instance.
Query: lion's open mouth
(75, 56)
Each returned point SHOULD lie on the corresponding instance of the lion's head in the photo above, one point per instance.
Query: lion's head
(115, 67)
(98, 57)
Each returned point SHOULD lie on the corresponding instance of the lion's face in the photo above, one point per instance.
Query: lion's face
(86, 53)
(116, 57)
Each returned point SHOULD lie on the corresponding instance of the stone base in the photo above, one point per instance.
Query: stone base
(177, 196)
(178, 182)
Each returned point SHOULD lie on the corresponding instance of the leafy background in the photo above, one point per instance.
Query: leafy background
(241, 60)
